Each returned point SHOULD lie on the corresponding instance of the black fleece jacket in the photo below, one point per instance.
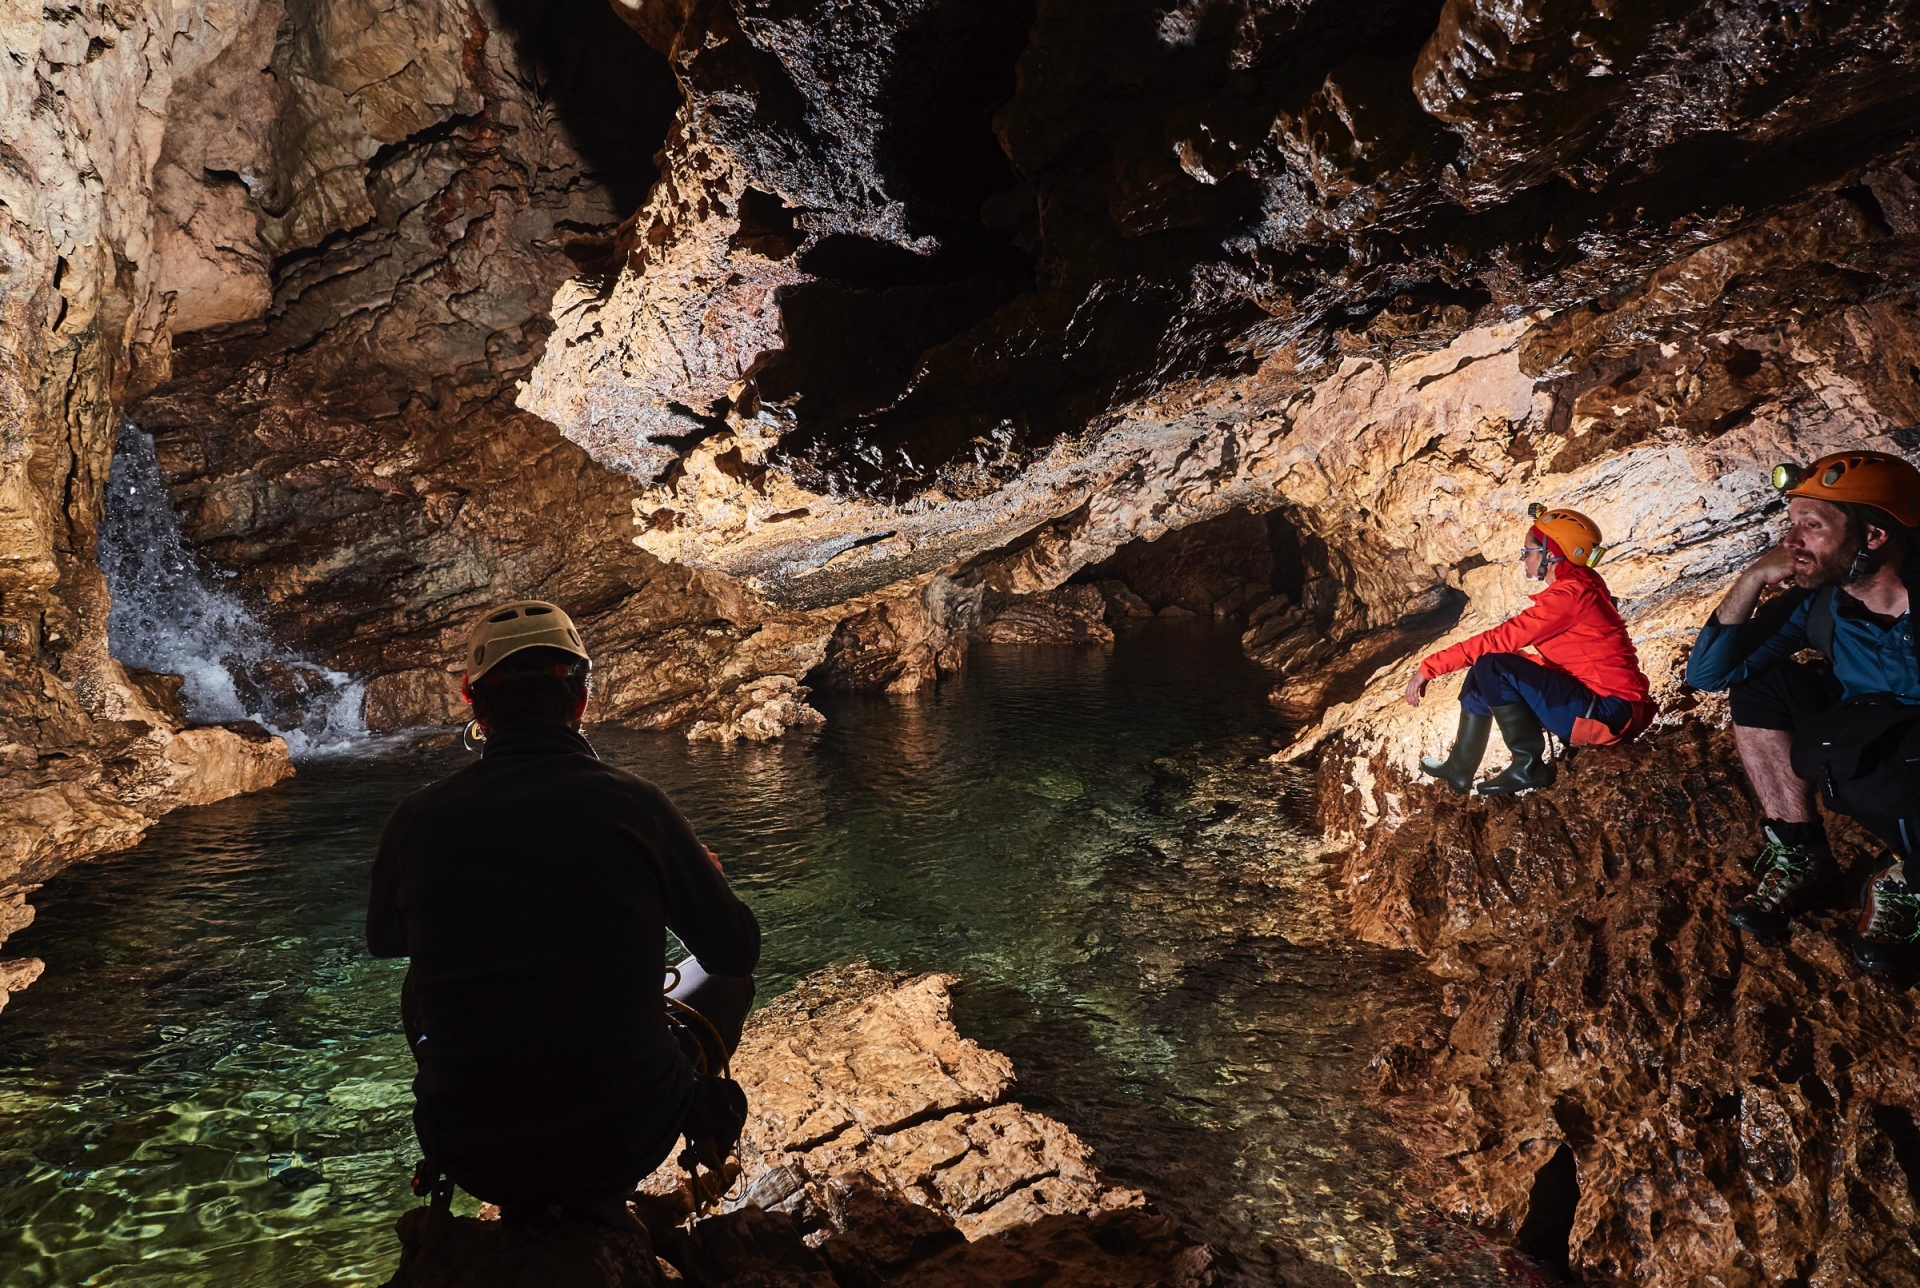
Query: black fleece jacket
(532, 891)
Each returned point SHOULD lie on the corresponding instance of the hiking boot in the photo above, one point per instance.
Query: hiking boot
(1888, 935)
(1463, 762)
(1527, 740)
(1796, 874)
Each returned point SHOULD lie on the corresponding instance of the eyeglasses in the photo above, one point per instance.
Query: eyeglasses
(1532, 550)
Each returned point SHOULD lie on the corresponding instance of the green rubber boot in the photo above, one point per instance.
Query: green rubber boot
(1463, 762)
(1527, 740)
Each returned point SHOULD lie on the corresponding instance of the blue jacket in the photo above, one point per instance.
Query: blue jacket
(1867, 656)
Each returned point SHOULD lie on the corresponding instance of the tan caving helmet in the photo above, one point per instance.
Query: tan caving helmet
(522, 624)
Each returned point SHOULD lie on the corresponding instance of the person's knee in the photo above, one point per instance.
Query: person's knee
(1492, 666)
(1756, 704)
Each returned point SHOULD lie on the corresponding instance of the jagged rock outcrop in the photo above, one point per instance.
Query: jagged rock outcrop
(882, 1148)
(1620, 1072)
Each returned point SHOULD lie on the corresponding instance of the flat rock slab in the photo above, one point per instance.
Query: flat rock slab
(882, 1149)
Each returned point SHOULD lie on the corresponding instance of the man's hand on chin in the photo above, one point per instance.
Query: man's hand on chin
(1777, 566)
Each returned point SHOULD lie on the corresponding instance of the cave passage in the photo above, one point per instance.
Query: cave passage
(212, 1088)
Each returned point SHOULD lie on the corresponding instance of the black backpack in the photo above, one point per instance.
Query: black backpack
(1864, 756)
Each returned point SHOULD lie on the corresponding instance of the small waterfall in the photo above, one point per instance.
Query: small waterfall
(169, 614)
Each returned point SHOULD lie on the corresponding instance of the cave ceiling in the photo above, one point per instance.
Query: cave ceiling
(832, 295)
(905, 253)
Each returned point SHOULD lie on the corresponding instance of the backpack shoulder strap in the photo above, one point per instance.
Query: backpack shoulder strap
(1820, 620)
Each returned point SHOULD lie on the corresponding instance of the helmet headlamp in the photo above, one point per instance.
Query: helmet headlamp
(1787, 476)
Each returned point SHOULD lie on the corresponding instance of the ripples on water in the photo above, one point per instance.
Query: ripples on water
(208, 1086)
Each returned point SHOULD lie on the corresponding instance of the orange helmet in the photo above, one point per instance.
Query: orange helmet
(1885, 482)
(1577, 536)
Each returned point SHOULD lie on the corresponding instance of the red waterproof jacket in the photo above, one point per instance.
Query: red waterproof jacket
(1573, 626)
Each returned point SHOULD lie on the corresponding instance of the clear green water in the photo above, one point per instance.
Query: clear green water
(208, 1086)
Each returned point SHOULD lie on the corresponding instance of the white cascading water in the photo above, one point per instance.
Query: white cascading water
(169, 615)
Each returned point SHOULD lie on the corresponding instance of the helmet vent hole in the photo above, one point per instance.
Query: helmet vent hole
(507, 616)
(537, 611)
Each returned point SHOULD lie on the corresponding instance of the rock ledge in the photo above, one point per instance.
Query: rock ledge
(882, 1150)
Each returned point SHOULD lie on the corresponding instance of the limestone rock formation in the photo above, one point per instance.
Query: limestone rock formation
(860, 1083)
(1720, 1107)
(882, 1148)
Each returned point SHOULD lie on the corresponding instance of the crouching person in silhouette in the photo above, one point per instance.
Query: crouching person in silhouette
(532, 892)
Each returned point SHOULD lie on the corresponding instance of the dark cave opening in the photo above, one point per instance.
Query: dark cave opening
(861, 335)
(611, 92)
(939, 152)
(1547, 1232)
(1210, 563)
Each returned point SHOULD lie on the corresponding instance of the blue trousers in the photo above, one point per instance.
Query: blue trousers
(1499, 679)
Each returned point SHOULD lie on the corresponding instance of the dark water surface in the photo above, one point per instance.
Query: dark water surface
(208, 1086)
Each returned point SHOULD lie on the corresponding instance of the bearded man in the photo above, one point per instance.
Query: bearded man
(1848, 724)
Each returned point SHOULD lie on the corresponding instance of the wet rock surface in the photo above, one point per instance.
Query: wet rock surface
(1618, 1079)
(882, 1147)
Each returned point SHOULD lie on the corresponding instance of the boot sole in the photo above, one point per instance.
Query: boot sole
(1755, 922)
(1453, 784)
(1766, 925)
(1484, 790)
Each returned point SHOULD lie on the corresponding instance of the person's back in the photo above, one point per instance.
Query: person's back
(532, 892)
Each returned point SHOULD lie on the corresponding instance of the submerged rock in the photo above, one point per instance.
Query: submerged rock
(881, 1148)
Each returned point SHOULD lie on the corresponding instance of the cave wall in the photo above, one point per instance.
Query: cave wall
(1736, 1110)
(824, 379)
(354, 454)
(89, 759)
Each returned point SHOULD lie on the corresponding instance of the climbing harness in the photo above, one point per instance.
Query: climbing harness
(711, 1150)
(431, 1182)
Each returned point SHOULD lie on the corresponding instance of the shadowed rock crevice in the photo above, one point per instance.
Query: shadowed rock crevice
(1550, 1210)
(612, 94)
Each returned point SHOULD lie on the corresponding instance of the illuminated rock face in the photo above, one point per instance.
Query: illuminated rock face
(1720, 1107)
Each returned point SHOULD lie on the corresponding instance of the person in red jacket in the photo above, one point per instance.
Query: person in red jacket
(1585, 684)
